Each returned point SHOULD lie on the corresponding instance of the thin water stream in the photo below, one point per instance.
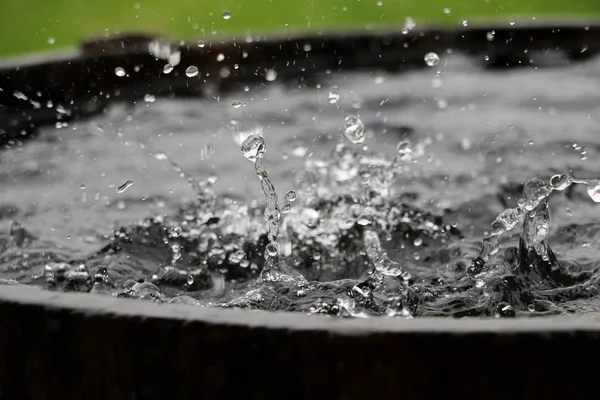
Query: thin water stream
(451, 191)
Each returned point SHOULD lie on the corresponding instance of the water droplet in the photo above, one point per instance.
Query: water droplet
(237, 256)
(418, 242)
(190, 280)
(201, 43)
(220, 57)
(161, 156)
(50, 40)
(531, 307)
(364, 220)
(226, 15)
(238, 104)
(124, 186)
(271, 75)
(291, 196)
(191, 71)
(593, 190)
(175, 231)
(464, 23)
(561, 182)
(120, 72)
(447, 10)
(167, 69)
(432, 59)
(334, 95)
(286, 208)
(149, 98)
(490, 35)
(355, 129)
(271, 249)
(379, 3)
(253, 147)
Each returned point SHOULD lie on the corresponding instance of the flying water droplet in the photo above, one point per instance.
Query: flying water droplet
(253, 147)
(334, 95)
(201, 43)
(593, 190)
(191, 71)
(291, 196)
(238, 104)
(226, 15)
(271, 75)
(120, 72)
(149, 98)
(432, 59)
(190, 280)
(124, 186)
(167, 69)
(355, 129)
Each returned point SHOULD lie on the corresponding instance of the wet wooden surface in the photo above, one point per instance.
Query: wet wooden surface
(76, 346)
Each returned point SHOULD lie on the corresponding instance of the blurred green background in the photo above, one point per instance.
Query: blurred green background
(38, 25)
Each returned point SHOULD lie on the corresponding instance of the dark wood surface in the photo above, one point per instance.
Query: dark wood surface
(77, 346)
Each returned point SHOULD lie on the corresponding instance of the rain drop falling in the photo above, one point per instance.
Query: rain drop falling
(237, 104)
(190, 280)
(201, 43)
(226, 15)
(432, 59)
(120, 72)
(271, 75)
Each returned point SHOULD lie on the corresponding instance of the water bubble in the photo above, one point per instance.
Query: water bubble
(226, 15)
(191, 71)
(237, 104)
(124, 186)
(201, 43)
(271, 249)
(291, 196)
(286, 208)
(355, 129)
(561, 182)
(190, 280)
(253, 147)
(593, 190)
(120, 72)
(167, 69)
(334, 95)
(271, 75)
(432, 59)
(531, 307)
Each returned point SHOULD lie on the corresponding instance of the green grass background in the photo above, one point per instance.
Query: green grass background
(27, 25)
